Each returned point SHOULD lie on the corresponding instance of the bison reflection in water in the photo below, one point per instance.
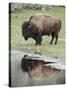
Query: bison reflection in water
(41, 25)
(38, 69)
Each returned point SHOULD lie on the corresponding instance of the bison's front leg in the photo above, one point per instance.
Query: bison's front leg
(38, 39)
(37, 43)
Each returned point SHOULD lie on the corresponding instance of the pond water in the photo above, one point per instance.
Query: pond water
(49, 76)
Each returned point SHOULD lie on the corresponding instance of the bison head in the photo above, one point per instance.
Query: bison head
(30, 31)
(27, 28)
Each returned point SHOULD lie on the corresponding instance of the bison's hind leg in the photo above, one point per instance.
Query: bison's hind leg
(52, 38)
(54, 35)
(56, 39)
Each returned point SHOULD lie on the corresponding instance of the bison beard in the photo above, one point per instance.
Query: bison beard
(41, 25)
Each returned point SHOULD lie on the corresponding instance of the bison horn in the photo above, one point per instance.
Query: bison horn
(30, 25)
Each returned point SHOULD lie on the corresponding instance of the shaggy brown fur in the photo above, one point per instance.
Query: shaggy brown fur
(41, 25)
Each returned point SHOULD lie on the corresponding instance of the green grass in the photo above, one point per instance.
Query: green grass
(18, 42)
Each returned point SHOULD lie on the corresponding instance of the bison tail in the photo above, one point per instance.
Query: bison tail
(60, 24)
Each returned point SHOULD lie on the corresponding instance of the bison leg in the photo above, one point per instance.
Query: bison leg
(38, 39)
(38, 43)
(52, 38)
(56, 39)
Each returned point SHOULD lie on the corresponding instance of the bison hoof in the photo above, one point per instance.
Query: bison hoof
(38, 44)
(55, 43)
(50, 43)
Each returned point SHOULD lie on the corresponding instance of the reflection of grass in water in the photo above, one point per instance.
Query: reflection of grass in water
(18, 42)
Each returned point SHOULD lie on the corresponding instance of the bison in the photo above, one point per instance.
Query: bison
(40, 25)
